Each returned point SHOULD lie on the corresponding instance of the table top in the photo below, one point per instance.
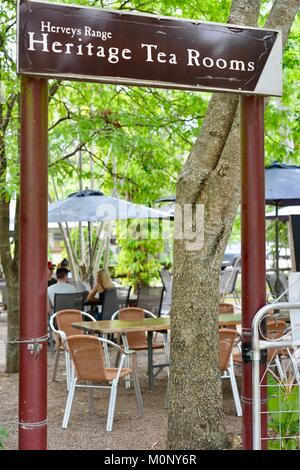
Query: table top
(146, 324)
(124, 326)
(230, 319)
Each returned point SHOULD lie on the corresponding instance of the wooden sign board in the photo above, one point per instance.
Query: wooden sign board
(90, 44)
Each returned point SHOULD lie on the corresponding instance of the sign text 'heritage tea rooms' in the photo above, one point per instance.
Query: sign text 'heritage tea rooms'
(73, 42)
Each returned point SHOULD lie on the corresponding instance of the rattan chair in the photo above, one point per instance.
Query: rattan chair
(226, 308)
(61, 326)
(276, 329)
(89, 367)
(227, 340)
(63, 301)
(137, 340)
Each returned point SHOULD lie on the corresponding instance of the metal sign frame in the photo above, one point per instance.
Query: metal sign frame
(33, 245)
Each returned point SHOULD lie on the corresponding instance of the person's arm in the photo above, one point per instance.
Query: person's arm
(92, 294)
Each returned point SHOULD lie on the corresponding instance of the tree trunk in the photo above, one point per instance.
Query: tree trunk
(9, 261)
(211, 176)
(11, 273)
(12, 349)
(195, 378)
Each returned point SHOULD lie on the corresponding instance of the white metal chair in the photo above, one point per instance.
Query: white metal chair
(167, 280)
(137, 341)
(88, 358)
(278, 288)
(61, 326)
(227, 340)
(228, 281)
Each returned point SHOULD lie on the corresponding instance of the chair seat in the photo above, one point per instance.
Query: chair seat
(138, 340)
(88, 358)
(111, 372)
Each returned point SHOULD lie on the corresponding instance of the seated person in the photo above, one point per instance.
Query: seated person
(51, 279)
(61, 287)
(103, 283)
(63, 264)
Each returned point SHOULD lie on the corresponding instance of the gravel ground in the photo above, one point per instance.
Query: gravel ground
(87, 431)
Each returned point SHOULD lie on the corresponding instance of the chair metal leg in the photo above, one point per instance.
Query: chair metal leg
(280, 370)
(127, 378)
(68, 369)
(111, 406)
(51, 340)
(138, 394)
(69, 404)
(127, 360)
(235, 391)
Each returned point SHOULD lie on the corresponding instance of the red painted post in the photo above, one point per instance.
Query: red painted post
(33, 264)
(253, 237)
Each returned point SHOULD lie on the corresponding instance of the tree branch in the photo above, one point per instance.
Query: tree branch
(116, 175)
(66, 118)
(282, 16)
(10, 105)
(53, 89)
(65, 157)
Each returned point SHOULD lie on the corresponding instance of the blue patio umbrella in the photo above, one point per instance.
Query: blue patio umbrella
(282, 188)
(282, 183)
(92, 206)
(284, 213)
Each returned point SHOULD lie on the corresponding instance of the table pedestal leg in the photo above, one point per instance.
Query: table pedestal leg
(150, 360)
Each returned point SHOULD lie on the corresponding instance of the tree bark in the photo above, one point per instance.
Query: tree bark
(9, 255)
(211, 176)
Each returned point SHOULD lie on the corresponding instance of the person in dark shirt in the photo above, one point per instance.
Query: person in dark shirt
(96, 294)
(51, 279)
(103, 283)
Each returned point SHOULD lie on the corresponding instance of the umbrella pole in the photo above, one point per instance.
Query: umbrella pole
(90, 254)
